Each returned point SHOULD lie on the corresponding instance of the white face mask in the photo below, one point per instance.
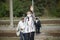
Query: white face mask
(29, 15)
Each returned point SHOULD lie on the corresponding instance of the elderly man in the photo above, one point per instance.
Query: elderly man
(24, 34)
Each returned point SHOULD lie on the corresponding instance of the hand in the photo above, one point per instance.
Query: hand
(31, 8)
(21, 29)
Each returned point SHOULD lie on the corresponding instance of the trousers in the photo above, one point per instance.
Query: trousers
(32, 35)
(24, 36)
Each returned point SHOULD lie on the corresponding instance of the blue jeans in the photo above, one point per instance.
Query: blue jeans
(21, 36)
(24, 36)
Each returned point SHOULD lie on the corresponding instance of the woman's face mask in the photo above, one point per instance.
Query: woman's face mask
(29, 14)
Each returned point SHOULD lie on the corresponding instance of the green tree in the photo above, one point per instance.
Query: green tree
(50, 5)
(20, 7)
(3, 8)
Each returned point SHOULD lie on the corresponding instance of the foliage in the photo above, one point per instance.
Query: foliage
(3, 9)
(50, 5)
(20, 7)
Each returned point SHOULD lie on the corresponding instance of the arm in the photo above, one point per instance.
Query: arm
(39, 23)
(33, 14)
(17, 29)
(31, 8)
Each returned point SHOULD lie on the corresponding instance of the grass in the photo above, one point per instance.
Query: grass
(15, 18)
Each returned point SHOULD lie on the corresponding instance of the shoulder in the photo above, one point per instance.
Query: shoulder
(26, 17)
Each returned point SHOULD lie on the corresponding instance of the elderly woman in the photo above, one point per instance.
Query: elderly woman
(29, 19)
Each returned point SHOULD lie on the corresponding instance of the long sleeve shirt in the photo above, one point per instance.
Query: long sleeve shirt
(30, 24)
(22, 27)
